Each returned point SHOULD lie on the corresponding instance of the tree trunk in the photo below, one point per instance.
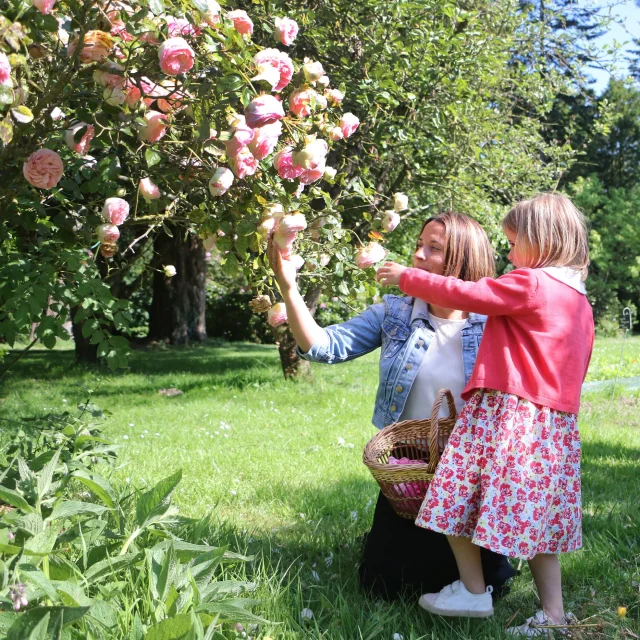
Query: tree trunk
(85, 351)
(293, 366)
(177, 312)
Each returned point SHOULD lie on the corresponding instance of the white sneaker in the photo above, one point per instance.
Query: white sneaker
(541, 626)
(455, 600)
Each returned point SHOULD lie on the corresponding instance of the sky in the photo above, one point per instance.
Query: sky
(629, 14)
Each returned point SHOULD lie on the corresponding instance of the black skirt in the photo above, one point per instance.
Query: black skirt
(399, 557)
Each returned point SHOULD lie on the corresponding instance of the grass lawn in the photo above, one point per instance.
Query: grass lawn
(278, 465)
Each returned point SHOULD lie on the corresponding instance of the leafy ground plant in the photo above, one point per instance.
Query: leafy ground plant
(81, 559)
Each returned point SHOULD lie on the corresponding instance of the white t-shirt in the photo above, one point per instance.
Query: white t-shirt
(441, 368)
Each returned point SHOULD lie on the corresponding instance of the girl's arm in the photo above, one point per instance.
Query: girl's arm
(509, 294)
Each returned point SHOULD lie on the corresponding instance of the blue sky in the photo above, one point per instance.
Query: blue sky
(629, 14)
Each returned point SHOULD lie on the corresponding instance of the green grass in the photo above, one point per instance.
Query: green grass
(283, 481)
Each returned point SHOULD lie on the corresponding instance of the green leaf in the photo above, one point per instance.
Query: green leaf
(156, 6)
(34, 576)
(40, 630)
(201, 5)
(245, 227)
(6, 95)
(13, 550)
(153, 501)
(29, 621)
(46, 476)
(109, 566)
(15, 499)
(231, 611)
(176, 628)
(22, 114)
(152, 157)
(98, 485)
(6, 129)
(228, 84)
(69, 508)
(231, 265)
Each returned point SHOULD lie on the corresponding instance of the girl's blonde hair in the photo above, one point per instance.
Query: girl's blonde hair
(550, 232)
(468, 254)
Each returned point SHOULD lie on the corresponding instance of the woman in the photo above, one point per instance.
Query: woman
(424, 348)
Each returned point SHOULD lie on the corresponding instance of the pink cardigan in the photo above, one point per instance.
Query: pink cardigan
(539, 336)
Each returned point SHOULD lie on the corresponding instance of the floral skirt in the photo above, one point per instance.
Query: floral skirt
(509, 478)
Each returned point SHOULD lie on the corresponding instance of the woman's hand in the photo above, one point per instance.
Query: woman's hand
(390, 273)
(284, 270)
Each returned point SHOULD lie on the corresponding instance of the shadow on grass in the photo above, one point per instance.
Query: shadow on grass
(233, 363)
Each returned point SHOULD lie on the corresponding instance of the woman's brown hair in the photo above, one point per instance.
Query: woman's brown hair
(468, 254)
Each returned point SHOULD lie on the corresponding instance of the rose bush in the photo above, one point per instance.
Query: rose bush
(140, 120)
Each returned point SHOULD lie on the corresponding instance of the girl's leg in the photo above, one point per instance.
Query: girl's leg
(469, 563)
(545, 568)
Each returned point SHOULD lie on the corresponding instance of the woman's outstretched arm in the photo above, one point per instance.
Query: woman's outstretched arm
(304, 328)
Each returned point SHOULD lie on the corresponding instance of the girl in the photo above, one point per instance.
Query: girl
(509, 480)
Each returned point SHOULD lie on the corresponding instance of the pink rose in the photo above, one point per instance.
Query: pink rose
(369, 255)
(181, 27)
(241, 22)
(5, 69)
(172, 98)
(242, 136)
(220, 181)
(277, 315)
(114, 96)
(390, 220)
(312, 155)
(106, 77)
(334, 96)
(108, 233)
(43, 169)
(44, 6)
(312, 175)
(119, 29)
(176, 56)
(302, 101)
(285, 232)
(97, 45)
(148, 189)
(155, 127)
(348, 123)
(265, 140)
(312, 70)
(82, 146)
(292, 223)
(297, 260)
(263, 110)
(286, 31)
(336, 134)
(283, 163)
(212, 15)
(244, 164)
(324, 259)
(115, 210)
(266, 227)
(279, 61)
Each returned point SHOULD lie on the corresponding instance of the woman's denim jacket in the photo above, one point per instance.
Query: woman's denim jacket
(400, 325)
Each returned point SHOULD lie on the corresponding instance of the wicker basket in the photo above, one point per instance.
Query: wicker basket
(405, 485)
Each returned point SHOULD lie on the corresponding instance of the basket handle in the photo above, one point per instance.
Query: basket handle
(434, 449)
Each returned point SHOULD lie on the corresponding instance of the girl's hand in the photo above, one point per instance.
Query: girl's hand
(390, 273)
(284, 270)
